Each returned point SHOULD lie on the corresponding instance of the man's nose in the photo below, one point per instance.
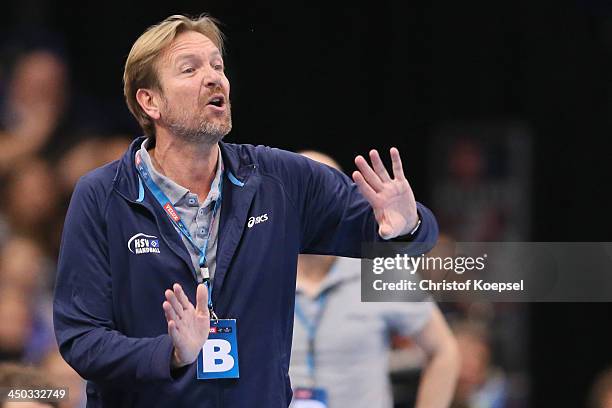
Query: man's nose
(213, 78)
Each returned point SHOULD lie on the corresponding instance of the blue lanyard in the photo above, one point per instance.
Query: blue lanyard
(166, 204)
(311, 327)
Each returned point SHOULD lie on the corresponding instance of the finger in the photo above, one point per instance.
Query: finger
(182, 297)
(171, 297)
(378, 166)
(365, 188)
(172, 329)
(169, 311)
(368, 174)
(202, 298)
(396, 162)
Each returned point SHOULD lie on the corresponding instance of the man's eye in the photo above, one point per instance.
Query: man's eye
(218, 67)
(188, 70)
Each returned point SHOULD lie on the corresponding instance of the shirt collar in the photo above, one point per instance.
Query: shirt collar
(215, 192)
(174, 191)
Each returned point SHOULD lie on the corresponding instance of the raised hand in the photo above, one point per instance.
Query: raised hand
(391, 198)
(188, 326)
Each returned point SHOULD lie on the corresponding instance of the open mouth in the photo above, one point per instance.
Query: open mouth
(217, 101)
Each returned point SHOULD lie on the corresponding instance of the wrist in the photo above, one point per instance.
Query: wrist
(412, 232)
(177, 367)
(416, 225)
(175, 361)
(413, 227)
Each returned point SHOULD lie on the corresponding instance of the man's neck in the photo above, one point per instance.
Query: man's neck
(190, 165)
(312, 270)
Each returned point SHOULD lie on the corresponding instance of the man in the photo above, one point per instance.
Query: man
(341, 345)
(182, 210)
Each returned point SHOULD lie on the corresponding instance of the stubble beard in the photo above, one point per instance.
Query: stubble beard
(197, 130)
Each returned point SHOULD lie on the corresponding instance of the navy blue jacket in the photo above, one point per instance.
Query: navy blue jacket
(108, 314)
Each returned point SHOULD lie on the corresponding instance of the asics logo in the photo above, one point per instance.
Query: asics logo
(257, 220)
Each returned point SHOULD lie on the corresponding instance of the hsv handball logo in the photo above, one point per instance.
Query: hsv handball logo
(143, 244)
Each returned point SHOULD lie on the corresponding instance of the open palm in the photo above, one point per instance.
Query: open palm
(188, 326)
(391, 199)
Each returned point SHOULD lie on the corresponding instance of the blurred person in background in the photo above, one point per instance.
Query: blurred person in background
(40, 112)
(601, 392)
(33, 108)
(468, 195)
(88, 155)
(24, 266)
(341, 345)
(14, 376)
(480, 384)
(25, 276)
(62, 375)
(32, 206)
(14, 337)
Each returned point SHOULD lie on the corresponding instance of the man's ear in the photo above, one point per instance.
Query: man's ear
(149, 102)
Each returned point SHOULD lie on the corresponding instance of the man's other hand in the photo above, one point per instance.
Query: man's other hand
(188, 326)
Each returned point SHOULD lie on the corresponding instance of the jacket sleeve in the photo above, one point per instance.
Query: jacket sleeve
(82, 305)
(336, 218)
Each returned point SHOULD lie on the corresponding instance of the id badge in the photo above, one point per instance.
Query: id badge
(309, 398)
(219, 355)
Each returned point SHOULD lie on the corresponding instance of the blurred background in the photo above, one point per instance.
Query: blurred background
(502, 112)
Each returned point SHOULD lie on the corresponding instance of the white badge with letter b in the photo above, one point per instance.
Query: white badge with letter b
(219, 355)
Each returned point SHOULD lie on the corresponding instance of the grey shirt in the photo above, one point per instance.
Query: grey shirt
(195, 216)
(352, 340)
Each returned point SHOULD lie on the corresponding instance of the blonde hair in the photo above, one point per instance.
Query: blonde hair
(140, 66)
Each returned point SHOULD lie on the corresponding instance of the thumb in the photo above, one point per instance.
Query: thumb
(202, 298)
(385, 231)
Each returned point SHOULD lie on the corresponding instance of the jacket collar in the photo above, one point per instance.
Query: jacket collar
(238, 168)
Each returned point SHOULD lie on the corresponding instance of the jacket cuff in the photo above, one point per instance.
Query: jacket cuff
(428, 231)
(161, 356)
(424, 239)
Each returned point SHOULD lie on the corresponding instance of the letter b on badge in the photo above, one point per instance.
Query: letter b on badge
(219, 355)
(216, 356)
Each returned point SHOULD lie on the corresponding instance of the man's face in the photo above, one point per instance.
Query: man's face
(195, 91)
